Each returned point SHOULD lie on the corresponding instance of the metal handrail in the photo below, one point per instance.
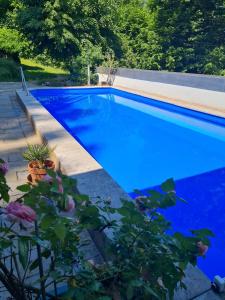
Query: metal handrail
(24, 84)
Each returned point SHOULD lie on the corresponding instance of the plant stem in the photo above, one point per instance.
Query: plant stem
(41, 271)
(28, 263)
(16, 265)
(12, 283)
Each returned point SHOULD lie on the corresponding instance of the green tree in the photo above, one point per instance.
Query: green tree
(90, 55)
(4, 8)
(215, 61)
(188, 31)
(58, 27)
(140, 44)
(12, 43)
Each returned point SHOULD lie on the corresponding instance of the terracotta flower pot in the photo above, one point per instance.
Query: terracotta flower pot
(38, 173)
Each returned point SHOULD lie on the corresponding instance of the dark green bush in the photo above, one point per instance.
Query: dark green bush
(214, 62)
(142, 260)
(9, 70)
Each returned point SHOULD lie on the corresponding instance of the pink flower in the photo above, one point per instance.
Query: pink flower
(202, 248)
(4, 167)
(70, 204)
(60, 187)
(59, 179)
(20, 213)
(47, 178)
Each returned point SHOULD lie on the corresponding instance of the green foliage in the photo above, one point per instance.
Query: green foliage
(4, 188)
(140, 44)
(188, 31)
(142, 262)
(173, 35)
(214, 62)
(90, 55)
(9, 70)
(12, 44)
(39, 153)
(58, 27)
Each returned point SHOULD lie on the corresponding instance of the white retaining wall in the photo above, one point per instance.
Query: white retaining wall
(211, 91)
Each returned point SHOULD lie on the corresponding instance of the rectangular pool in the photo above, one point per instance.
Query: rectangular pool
(141, 142)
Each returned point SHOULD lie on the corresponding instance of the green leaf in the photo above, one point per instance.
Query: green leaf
(33, 265)
(168, 185)
(95, 286)
(150, 291)
(136, 283)
(51, 173)
(4, 189)
(23, 247)
(81, 198)
(24, 188)
(168, 200)
(46, 221)
(60, 231)
(4, 244)
(130, 292)
(203, 232)
(69, 294)
(155, 195)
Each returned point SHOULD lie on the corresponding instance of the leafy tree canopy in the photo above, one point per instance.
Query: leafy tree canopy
(173, 35)
(58, 27)
(188, 30)
(12, 43)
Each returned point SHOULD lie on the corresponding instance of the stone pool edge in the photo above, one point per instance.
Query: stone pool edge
(92, 179)
(72, 158)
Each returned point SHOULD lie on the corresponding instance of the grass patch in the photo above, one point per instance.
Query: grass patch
(33, 71)
(38, 72)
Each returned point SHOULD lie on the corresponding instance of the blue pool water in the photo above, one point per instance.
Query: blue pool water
(141, 142)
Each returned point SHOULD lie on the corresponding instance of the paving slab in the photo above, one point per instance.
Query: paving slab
(196, 282)
(13, 140)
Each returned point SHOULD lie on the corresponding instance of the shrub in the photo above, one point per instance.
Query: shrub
(12, 43)
(9, 70)
(91, 55)
(214, 62)
(142, 261)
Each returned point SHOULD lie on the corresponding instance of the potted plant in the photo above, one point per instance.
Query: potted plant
(39, 162)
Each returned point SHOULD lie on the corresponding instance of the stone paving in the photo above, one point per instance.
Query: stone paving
(15, 133)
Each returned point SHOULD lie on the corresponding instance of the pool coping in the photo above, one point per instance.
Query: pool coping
(156, 97)
(176, 101)
(92, 179)
(72, 158)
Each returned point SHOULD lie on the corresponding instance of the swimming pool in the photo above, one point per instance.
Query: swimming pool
(141, 142)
